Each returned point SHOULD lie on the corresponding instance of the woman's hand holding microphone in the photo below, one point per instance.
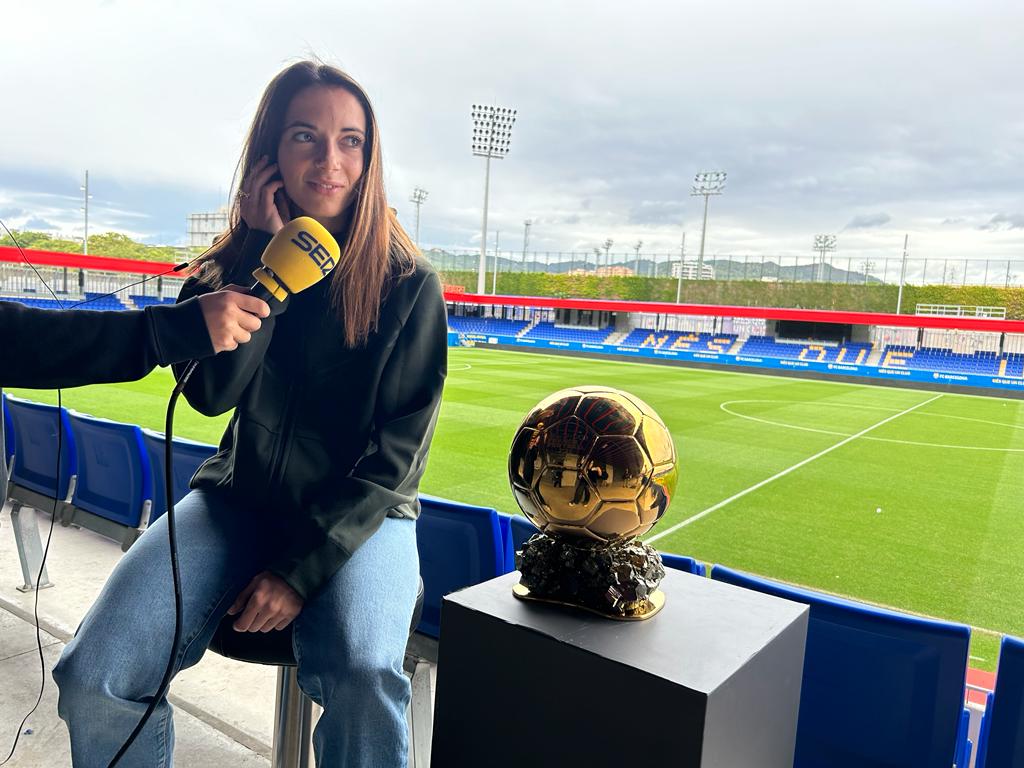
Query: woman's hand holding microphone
(232, 316)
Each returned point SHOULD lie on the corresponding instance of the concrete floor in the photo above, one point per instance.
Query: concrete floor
(224, 709)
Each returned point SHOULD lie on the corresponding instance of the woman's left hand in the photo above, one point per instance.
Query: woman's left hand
(268, 602)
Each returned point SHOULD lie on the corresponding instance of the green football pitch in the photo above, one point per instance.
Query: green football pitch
(898, 497)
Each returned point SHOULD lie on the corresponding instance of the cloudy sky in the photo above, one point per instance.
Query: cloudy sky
(867, 120)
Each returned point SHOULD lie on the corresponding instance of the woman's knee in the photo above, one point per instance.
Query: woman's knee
(87, 673)
(79, 680)
(360, 679)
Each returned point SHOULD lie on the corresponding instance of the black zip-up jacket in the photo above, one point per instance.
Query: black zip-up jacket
(329, 439)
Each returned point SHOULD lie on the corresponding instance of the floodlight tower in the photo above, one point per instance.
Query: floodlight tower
(526, 239)
(419, 196)
(607, 259)
(492, 133)
(85, 207)
(903, 273)
(682, 260)
(824, 244)
(706, 183)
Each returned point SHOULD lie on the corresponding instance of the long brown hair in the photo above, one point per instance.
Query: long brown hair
(375, 251)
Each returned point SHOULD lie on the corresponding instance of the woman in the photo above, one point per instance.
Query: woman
(307, 512)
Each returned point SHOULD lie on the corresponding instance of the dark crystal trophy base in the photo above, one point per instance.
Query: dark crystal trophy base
(617, 580)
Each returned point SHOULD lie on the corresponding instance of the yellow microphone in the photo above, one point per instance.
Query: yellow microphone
(302, 253)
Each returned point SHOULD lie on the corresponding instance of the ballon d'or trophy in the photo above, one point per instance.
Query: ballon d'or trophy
(593, 468)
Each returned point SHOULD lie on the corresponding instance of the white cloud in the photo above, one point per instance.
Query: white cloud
(819, 112)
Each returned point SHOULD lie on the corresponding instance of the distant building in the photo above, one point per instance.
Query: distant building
(604, 272)
(204, 227)
(689, 269)
(615, 272)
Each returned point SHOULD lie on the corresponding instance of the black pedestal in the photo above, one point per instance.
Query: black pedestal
(713, 680)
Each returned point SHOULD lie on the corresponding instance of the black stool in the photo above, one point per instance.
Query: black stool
(293, 714)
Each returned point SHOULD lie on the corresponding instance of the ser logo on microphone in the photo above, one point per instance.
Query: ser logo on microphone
(316, 251)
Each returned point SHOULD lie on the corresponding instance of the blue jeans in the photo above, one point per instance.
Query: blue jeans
(349, 639)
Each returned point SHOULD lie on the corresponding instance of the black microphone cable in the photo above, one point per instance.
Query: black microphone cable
(168, 467)
(175, 574)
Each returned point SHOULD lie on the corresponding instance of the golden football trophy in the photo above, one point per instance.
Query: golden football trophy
(592, 468)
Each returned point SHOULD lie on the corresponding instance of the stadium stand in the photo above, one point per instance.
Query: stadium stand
(487, 325)
(702, 342)
(941, 359)
(1001, 740)
(102, 301)
(880, 688)
(552, 332)
(32, 301)
(1012, 364)
(145, 301)
(983, 363)
(769, 346)
(89, 301)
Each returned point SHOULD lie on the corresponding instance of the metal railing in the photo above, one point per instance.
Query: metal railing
(73, 283)
(960, 310)
(1004, 273)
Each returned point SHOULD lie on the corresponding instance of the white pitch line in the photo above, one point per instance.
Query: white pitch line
(786, 471)
(723, 407)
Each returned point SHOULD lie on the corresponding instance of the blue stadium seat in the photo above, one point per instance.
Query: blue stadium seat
(459, 545)
(683, 563)
(963, 744)
(880, 688)
(1001, 740)
(35, 464)
(115, 482)
(187, 456)
(505, 524)
(522, 529)
(10, 446)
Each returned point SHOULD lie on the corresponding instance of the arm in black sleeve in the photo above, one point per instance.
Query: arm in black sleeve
(217, 384)
(345, 513)
(48, 348)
